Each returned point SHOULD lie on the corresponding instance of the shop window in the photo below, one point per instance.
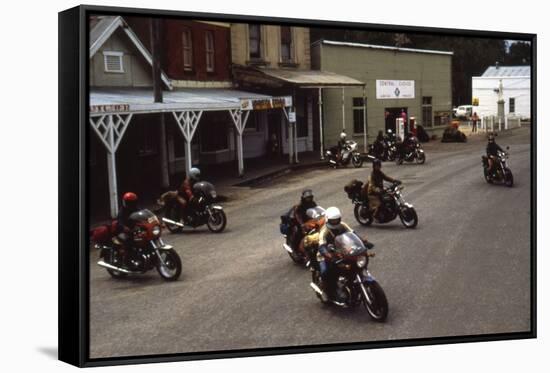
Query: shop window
(427, 120)
(148, 139)
(358, 115)
(253, 122)
(213, 132)
(301, 108)
(286, 44)
(512, 105)
(187, 48)
(210, 51)
(113, 62)
(255, 41)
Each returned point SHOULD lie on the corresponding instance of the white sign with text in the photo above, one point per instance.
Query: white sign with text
(394, 89)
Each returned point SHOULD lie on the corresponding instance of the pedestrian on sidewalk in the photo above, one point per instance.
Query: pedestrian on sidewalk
(474, 119)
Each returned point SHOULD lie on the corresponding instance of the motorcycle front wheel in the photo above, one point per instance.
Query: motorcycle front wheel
(408, 217)
(357, 161)
(217, 221)
(376, 303)
(173, 213)
(508, 178)
(398, 160)
(171, 269)
(421, 158)
(363, 217)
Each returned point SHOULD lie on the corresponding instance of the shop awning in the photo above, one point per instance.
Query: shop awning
(300, 78)
(136, 101)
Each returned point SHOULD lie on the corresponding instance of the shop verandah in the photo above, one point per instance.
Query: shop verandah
(112, 112)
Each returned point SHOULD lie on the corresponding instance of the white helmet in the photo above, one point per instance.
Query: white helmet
(334, 217)
(194, 173)
(343, 135)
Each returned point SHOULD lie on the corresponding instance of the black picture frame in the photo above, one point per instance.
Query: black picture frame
(74, 202)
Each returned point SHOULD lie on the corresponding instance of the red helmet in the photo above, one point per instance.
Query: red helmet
(129, 199)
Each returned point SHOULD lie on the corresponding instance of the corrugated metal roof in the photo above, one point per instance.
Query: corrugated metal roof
(383, 47)
(141, 100)
(312, 78)
(507, 71)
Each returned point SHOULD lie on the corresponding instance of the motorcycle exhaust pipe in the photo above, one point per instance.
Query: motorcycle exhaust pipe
(169, 221)
(316, 288)
(332, 162)
(288, 248)
(101, 263)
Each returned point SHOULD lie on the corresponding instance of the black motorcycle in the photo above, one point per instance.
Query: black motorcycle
(349, 154)
(411, 153)
(351, 283)
(143, 250)
(392, 205)
(384, 150)
(501, 173)
(201, 210)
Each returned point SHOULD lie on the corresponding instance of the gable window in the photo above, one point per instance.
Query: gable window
(187, 47)
(113, 62)
(255, 41)
(209, 51)
(358, 115)
(286, 44)
(512, 105)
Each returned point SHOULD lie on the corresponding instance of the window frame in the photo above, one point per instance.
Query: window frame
(120, 56)
(363, 111)
(426, 106)
(187, 36)
(259, 41)
(511, 103)
(209, 38)
(291, 57)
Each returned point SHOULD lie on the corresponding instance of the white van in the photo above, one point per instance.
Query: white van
(464, 111)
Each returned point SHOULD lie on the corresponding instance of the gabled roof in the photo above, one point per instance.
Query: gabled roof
(507, 71)
(101, 29)
(383, 47)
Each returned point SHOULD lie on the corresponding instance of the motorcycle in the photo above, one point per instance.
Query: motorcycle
(413, 153)
(392, 205)
(501, 174)
(305, 250)
(349, 153)
(385, 151)
(201, 210)
(350, 283)
(147, 250)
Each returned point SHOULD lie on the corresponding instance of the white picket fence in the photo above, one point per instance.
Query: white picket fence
(494, 124)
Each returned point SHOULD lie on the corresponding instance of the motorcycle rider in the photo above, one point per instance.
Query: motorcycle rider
(333, 228)
(185, 192)
(124, 225)
(341, 145)
(408, 144)
(379, 143)
(300, 216)
(492, 153)
(375, 186)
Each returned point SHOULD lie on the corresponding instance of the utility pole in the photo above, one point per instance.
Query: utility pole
(157, 93)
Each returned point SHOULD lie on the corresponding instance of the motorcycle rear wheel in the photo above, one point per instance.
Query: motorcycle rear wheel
(487, 176)
(113, 259)
(378, 307)
(363, 221)
(408, 217)
(357, 161)
(217, 222)
(172, 270)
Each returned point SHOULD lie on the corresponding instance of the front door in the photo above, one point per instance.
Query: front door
(391, 114)
(274, 145)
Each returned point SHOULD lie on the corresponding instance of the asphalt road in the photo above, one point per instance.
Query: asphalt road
(464, 270)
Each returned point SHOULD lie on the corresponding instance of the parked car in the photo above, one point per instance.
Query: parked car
(464, 111)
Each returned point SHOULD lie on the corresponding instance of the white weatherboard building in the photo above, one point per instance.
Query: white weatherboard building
(516, 91)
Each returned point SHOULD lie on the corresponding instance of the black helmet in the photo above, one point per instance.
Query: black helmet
(376, 162)
(307, 196)
(491, 138)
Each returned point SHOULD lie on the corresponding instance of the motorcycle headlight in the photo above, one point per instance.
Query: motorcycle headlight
(156, 230)
(362, 261)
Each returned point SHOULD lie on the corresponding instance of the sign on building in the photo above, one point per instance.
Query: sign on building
(394, 89)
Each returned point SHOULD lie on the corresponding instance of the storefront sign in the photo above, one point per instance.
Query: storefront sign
(394, 89)
(265, 104)
(292, 116)
(109, 108)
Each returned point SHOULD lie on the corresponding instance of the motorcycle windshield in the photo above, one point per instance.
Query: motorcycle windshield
(205, 188)
(316, 212)
(349, 244)
(143, 216)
